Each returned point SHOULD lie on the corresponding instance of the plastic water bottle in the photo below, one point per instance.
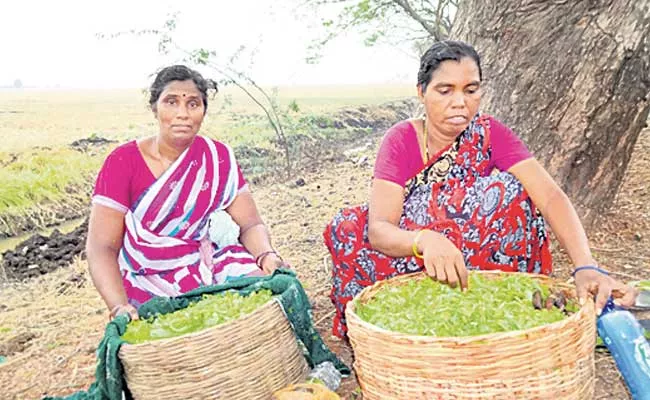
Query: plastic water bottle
(624, 337)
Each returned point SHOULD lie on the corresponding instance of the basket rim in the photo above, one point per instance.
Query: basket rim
(351, 315)
(209, 330)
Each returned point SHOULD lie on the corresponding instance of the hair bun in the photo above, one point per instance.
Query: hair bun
(212, 84)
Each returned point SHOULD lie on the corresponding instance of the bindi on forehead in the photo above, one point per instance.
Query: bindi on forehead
(182, 94)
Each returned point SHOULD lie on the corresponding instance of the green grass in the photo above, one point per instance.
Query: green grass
(43, 175)
(40, 176)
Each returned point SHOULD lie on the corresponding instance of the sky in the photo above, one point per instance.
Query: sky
(54, 43)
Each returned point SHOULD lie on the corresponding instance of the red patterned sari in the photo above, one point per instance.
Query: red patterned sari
(490, 218)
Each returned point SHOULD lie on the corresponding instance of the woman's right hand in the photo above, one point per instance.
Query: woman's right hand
(125, 309)
(443, 261)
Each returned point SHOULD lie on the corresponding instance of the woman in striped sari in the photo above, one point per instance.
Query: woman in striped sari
(172, 212)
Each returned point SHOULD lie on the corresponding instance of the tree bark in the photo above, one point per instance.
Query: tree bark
(572, 78)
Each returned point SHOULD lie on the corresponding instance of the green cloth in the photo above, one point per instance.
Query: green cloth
(110, 383)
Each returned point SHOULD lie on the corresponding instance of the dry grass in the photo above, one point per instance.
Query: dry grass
(38, 170)
(68, 320)
(54, 118)
(65, 315)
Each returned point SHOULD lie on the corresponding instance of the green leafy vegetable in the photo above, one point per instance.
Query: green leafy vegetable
(426, 307)
(642, 285)
(210, 311)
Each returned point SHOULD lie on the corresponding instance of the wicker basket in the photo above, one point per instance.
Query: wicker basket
(248, 358)
(553, 361)
(305, 391)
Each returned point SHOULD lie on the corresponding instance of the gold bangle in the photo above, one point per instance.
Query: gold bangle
(415, 244)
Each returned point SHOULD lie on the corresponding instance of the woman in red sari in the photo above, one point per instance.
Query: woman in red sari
(453, 191)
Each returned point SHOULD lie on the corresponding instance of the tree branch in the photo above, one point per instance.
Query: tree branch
(406, 6)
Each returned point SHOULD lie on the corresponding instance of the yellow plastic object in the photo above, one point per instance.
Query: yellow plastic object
(305, 391)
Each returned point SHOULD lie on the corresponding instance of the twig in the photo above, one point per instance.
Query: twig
(14, 360)
(625, 275)
(326, 264)
(27, 388)
(3, 276)
(607, 250)
(642, 258)
(66, 358)
(326, 316)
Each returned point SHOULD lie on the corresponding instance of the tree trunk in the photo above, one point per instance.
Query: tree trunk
(572, 78)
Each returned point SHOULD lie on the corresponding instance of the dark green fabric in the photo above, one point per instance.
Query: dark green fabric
(110, 384)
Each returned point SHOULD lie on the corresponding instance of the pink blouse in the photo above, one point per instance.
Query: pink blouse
(125, 176)
(399, 157)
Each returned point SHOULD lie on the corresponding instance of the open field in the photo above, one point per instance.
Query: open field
(53, 118)
(39, 168)
(53, 323)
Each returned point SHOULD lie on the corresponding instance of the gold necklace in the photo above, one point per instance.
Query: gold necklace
(425, 139)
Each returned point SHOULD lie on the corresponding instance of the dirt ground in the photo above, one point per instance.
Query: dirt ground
(51, 325)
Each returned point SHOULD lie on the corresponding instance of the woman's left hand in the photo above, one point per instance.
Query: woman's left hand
(272, 262)
(603, 286)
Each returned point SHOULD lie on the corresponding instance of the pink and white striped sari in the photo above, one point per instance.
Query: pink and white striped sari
(161, 255)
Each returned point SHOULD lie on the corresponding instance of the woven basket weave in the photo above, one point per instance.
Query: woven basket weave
(248, 358)
(553, 361)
